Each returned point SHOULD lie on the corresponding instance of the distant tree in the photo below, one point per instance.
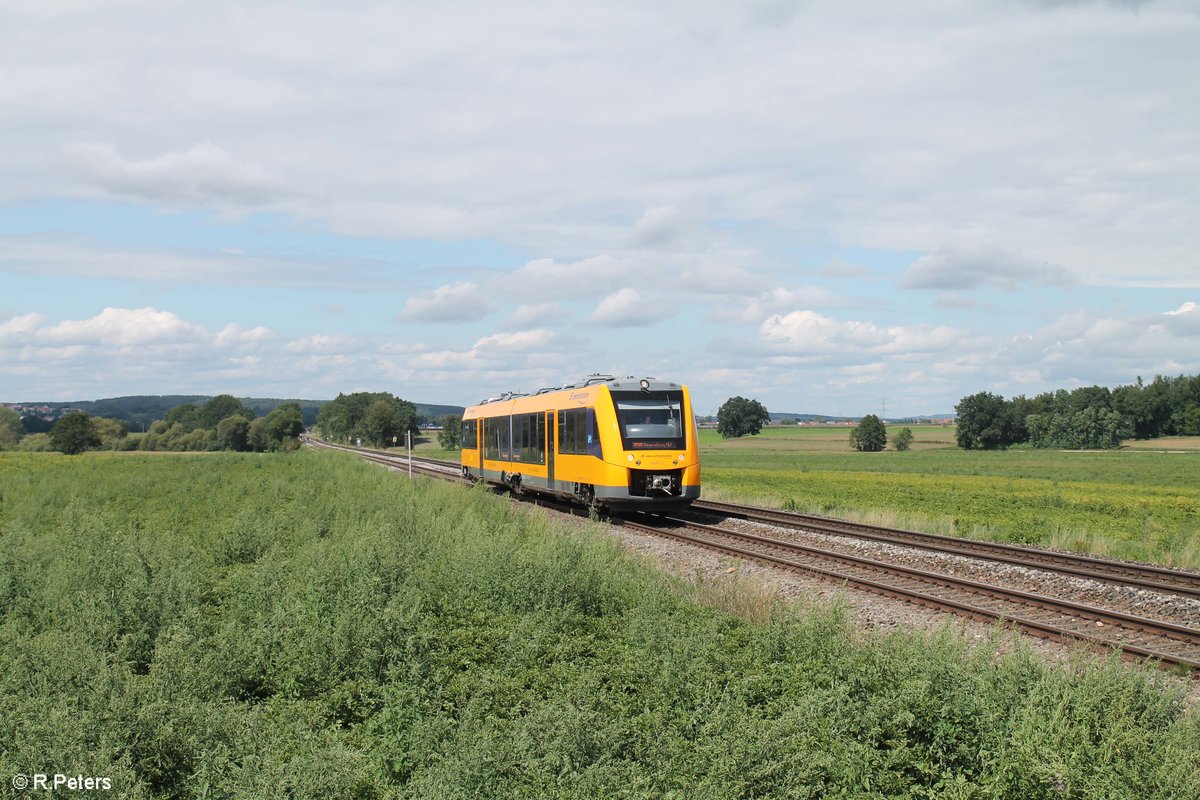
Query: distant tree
(1091, 428)
(110, 432)
(869, 435)
(172, 437)
(283, 425)
(256, 435)
(73, 434)
(197, 439)
(11, 429)
(740, 417)
(1189, 421)
(185, 415)
(35, 443)
(985, 422)
(903, 440)
(381, 423)
(450, 436)
(220, 407)
(232, 432)
(345, 417)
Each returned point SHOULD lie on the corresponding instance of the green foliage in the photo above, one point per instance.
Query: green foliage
(220, 407)
(869, 435)
(240, 626)
(73, 434)
(185, 415)
(450, 436)
(1087, 429)
(274, 432)
(11, 429)
(986, 422)
(35, 443)
(738, 416)
(373, 417)
(110, 432)
(902, 441)
(1165, 407)
(233, 433)
(382, 424)
(282, 426)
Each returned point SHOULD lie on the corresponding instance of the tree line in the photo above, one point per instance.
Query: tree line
(1087, 418)
(222, 423)
(379, 419)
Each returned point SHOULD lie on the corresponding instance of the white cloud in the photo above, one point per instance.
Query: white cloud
(659, 227)
(324, 344)
(203, 175)
(1184, 321)
(127, 347)
(20, 327)
(534, 341)
(776, 301)
(955, 267)
(531, 314)
(453, 302)
(1064, 134)
(1186, 309)
(626, 308)
(124, 326)
(72, 257)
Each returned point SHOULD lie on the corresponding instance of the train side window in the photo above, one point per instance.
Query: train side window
(468, 434)
(566, 431)
(491, 438)
(537, 446)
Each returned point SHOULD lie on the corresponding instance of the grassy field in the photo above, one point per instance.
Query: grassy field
(310, 626)
(1137, 503)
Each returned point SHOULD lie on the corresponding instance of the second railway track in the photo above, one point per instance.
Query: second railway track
(1044, 616)
(1142, 576)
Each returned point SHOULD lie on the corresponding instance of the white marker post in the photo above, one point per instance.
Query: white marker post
(408, 438)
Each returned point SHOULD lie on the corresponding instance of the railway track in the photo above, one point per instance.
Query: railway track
(1166, 642)
(423, 466)
(1142, 576)
(1044, 616)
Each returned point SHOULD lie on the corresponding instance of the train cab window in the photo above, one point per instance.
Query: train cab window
(651, 420)
(468, 435)
(578, 433)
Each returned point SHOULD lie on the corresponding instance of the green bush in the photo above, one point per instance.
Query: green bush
(239, 625)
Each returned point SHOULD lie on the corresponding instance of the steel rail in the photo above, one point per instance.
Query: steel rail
(1045, 616)
(1142, 576)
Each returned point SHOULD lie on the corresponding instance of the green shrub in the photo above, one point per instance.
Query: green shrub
(238, 625)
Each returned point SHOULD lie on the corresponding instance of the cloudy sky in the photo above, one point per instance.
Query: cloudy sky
(829, 206)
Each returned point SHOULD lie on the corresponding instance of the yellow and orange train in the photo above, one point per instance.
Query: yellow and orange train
(613, 443)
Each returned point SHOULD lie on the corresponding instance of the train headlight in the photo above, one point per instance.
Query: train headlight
(645, 384)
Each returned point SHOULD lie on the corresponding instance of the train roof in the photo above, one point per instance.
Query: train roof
(629, 383)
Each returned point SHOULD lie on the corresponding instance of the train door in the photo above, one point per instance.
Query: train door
(550, 448)
(479, 440)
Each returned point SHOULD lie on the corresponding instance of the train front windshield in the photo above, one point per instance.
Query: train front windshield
(651, 420)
